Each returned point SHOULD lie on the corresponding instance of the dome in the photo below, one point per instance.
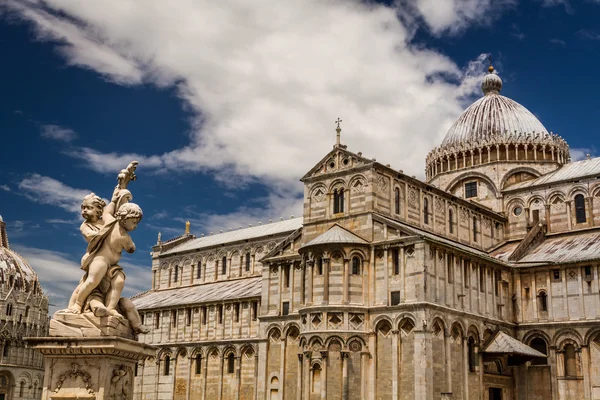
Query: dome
(14, 270)
(12, 264)
(493, 117)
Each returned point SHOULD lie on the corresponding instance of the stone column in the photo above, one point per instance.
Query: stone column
(585, 369)
(386, 274)
(395, 364)
(324, 375)
(344, 355)
(373, 364)
(346, 282)
(204, 373)
(282, 366)
(364, 357)
(309, 290)
(307, 377)
(299, 382)
(326, 265)
(88, 367)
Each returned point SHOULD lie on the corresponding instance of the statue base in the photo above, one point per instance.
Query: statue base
(100, 368)
(65, 324)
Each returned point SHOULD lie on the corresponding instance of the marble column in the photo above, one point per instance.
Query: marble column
(344, 355)
(324, 375)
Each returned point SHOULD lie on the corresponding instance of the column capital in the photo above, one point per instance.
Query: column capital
(300, 356)
(323, 354)
(345, 354)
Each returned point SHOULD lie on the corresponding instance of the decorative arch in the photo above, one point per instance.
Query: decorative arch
(357, 252)
(274, 333)
(221, 254)
(318, 191)
(591, 335)
(229, 350)
(162, 353)
(333, 339)
(530, 335)
(438, 320)
(533, 199)
(471, 175)
(315, 340)
(181, 352)
(380, 318)
(556, 194)
(338, 183)
(247, 350)
(357, 178)
(473, 331)
(356, 339)
(196, 351)
(516, 171)
(271, 326)
(289, 328)
(565, 336)
(213, 351)
(577, 189)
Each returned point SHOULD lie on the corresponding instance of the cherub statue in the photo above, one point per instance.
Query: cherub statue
(100, 288)
(119, 384)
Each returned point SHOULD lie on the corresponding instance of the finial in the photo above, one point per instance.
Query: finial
(588, 156)
(338, 130)
(158, 240)
(187, 227)
(491, 84)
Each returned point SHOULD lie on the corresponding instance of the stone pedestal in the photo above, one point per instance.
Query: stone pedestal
(95, 368)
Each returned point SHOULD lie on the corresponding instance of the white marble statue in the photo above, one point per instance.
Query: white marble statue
(106, 228)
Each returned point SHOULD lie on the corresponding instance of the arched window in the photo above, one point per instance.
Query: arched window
(230, 363)
(199, 270)
(570, 360)
(474, 229)
(167, 366)
(22, 389)
(425, 210)
(580, 209)
(450, 220)
(224, 266)
(539, 344)
(156, 320)
(26, 311)
(6, 350)
(338, 201)
(472, 355)
(176, 274)
(355, 265)
(543, 301)
(8, 309)
(198, 364)
(397, 200)
(320, 266)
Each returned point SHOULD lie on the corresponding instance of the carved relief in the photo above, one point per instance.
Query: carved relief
(74, 375)
(412, 198)
(439, 205)
(382, 182)
(120, 384)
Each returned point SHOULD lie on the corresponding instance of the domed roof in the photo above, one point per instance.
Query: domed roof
(13, 268)
(12, 264)
(493, 117)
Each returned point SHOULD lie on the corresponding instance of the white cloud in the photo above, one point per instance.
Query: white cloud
(453, 16)
(267, 79)
(581, 153)
(59, 274)
(58, 133)
(46, 190)
(558, 42)
(6, 188)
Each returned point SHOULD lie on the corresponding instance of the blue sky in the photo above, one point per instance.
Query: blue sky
(227, 105)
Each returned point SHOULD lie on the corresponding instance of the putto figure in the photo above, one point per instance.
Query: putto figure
(106, 228)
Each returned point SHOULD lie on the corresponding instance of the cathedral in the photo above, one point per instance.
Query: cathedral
(480, 282)
(23, 313)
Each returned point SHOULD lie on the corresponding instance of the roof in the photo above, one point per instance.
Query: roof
(207, 293)
(336, 234)
(564, 248)
(493, 116)
(505, 344)
(567, 172)
(273, 228)
(439, 239)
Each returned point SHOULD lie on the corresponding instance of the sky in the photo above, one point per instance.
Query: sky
(226, 105)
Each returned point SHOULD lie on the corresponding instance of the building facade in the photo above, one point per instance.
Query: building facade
(23, 313)
(479, 283)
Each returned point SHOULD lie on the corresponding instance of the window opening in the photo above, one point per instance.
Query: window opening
(176, 274)
(570, 361)
(188, 318)
(543, 299)
(395, 298)
(355, 265)
(199, 270)
(450, 261)
(286, 276)
(224, 266)
(254, 311)
(198, 364)
(230, 363)
(236, 312)
(425, 210)
(539, 344)
(396, 261)
(450, 221)
(220, 312)
(580, 209)
(470, 189)
(320, 266)
(474, 229)
(167, 365)
(248, 261)
(286, 308)
(556, 274)
(397, 200)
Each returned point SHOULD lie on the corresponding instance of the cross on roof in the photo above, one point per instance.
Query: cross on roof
(338, 122)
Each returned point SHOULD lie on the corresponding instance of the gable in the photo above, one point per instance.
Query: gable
(337, 160)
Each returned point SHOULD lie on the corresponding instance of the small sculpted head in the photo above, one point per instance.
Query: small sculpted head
(91, 207)
(129, 215)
